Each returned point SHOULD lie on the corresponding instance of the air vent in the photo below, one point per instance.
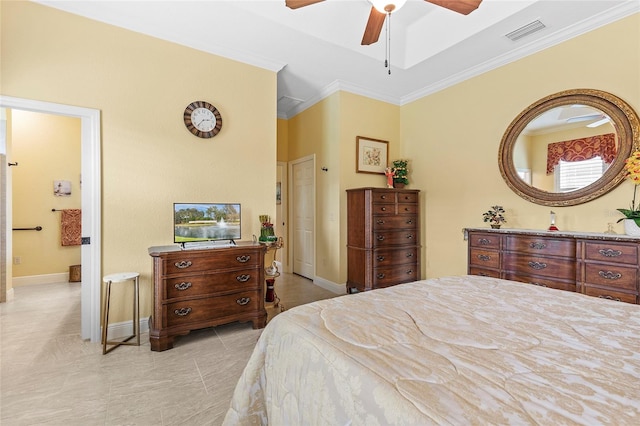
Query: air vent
(286, 103)
(530, 28)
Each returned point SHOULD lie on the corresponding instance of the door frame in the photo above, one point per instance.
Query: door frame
(292, 201)
(91, 205)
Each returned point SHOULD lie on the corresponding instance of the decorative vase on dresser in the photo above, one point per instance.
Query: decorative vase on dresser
(202, 288)
(631, 228)
(601, 265)
(383, 237)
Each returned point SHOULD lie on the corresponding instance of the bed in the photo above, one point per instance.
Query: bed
(453, 350)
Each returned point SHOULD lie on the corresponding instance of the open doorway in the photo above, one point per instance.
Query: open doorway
(90, 204)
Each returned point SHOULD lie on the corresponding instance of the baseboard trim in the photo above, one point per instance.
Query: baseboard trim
(125, 329)
(40, 279)
(330, 285)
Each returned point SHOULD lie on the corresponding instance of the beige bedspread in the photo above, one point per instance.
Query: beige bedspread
(455, 350)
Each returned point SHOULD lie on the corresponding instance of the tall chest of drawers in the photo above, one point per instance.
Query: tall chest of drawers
(196, 289)
(383, 237)
(601, 265)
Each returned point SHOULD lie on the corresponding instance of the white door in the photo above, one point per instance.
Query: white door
(302, 215)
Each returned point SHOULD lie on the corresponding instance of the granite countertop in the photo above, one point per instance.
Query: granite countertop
(564, 234)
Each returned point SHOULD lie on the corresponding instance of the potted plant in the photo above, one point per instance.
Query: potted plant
(632, 215)
(399, 172)
(495, 216)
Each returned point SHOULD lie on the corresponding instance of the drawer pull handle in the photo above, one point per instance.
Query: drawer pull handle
(409, 271)
(243, 278)
(380, 222)
(380, 258)
(409, 254)
(608, 275)
(182, 286)
(409, 236)
(539, 285)
(407, 209)
(183, 264)
(610, 252)
(380, 237)
(617, 299)
(243, 259)
(484, 241)
(409, 222)
(384, 209)
(383, 197)
(537, 265)
(243, 301)
(538, 245)
(182, 312)
(483, 274)
(380, 275)
(484, 257)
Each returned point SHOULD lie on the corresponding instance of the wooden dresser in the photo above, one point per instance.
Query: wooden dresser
(202, 288)
(383, 237)
(602, 265)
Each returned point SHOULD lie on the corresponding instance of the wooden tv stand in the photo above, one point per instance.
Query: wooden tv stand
(202, 288)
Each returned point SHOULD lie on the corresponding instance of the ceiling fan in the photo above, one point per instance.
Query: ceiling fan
(382, 8)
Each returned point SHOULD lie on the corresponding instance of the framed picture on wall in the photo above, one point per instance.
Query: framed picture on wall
(371, 155)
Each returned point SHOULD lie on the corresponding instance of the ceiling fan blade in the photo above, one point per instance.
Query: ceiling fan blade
(461, 6)
(373, 28)
(294, 4)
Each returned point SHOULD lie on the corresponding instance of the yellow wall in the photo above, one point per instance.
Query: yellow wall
(47, 148)
(456, 165)
(329, 130)
(142, 85)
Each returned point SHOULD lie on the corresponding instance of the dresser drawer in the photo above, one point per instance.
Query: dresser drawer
(397, 256)
(395, 222)
(382, 197)
(542, 281)
(484, 258)
(489, 241)
(212, 308)
(391, 238)
(484, 272)
(622, 277)
(610, 294)
(407, 197)
(537, 265)
(611, 252)
(187, 262)
(393, 209)
(541, 246)
(199, 285)
(384, 277)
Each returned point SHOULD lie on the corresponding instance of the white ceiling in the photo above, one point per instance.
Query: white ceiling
(316, 49)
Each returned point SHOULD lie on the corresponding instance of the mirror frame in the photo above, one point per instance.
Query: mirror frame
(625, 123)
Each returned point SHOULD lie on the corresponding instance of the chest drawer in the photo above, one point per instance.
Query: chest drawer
(542, 282)
(537, 265)
(622, 277)
(488, 241)
(384, 277)
(408, 197)
(395, 222)
(383, 197)
(611, 252)
(186, 262)
(484, 258)
(611, 295)
(214, 308)
(541, 246)
(205, 284)
(391, 238)
(386, 257)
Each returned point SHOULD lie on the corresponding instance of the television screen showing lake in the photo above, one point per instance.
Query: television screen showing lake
(206, 222)
(197, 232)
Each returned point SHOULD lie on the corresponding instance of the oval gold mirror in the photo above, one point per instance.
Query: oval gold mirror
(544, 151)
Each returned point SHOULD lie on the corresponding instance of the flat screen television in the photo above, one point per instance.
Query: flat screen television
(201, 222)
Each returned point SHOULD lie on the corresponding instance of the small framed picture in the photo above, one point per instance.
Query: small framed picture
(62, 188)
(371, 155)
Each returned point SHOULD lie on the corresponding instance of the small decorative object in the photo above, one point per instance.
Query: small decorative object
(388, 172)
(494, 216)
(270, 295)
(62, 188)
(632, 215)
(202, 119)
(400, 171)
(266, 229)
(553, 226)
(610, 229)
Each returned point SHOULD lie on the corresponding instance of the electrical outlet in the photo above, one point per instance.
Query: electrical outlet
(17, 260)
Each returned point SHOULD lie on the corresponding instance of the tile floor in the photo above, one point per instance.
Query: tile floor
(49, 376)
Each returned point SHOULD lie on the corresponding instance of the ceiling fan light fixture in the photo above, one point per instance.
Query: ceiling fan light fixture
(388, 6)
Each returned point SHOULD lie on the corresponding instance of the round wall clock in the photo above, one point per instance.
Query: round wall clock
(202, 119)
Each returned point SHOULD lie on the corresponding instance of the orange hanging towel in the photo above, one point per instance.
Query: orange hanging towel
(71, 226)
